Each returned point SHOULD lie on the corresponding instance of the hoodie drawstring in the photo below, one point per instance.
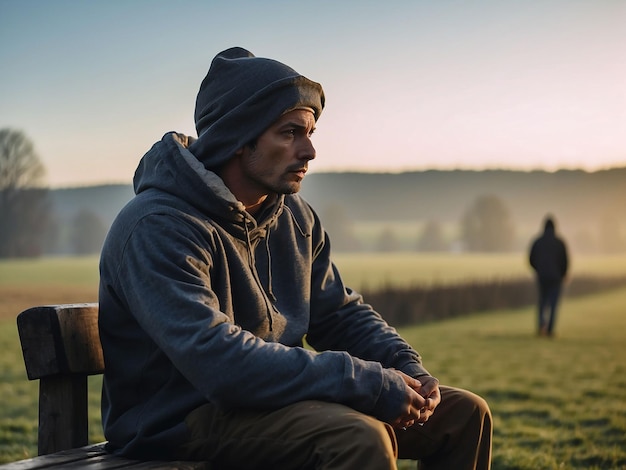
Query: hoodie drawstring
(295, 221)
(268, 301)
(269, 292)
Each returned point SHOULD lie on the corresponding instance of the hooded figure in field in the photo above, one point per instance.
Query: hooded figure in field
(548, 258)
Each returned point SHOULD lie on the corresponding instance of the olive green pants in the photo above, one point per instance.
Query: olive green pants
(320, 435)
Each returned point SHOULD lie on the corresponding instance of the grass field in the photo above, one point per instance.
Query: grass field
(372, 269)
(410, 268)
(557, 404)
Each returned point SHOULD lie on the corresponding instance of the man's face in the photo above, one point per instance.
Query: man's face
(280, 158)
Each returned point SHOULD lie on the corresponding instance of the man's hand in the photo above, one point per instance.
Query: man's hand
(423, 396)
(429, 389)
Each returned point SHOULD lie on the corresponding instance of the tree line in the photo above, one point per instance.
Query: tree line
(439, 207)
(486, 226)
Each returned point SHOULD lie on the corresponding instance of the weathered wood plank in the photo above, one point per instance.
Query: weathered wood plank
(36, 330)
(60, 339)
(61, 346)
(59, 459)
(111, 462)
(63, 419)
(94, 457)
(78, 325)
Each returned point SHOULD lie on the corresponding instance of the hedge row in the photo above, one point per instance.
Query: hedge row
(421, 304)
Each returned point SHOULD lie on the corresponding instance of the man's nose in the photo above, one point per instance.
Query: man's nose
(307, 152)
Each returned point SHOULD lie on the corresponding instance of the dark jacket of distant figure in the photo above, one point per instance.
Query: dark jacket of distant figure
(201, 302)
(548, 256)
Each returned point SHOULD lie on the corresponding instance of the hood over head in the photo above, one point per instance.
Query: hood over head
(240, 97)
(170, 167)
(548, 225)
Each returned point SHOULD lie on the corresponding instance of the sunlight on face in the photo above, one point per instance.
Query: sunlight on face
(279, 160)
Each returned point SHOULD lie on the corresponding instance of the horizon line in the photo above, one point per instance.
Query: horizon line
(78, 185)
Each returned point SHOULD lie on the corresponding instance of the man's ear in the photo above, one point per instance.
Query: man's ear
(246, 149)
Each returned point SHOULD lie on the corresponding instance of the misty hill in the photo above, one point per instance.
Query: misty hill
(445, 195)
(104, 201)
(581, 201)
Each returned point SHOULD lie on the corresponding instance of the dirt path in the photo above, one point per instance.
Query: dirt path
(14, 299)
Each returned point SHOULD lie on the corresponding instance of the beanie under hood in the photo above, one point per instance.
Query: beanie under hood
(240, 97)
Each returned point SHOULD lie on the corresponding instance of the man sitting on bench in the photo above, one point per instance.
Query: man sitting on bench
(213, 276)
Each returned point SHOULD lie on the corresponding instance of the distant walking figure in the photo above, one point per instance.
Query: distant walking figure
(548, 257)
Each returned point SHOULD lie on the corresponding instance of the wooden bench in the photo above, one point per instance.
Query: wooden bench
(61, 348)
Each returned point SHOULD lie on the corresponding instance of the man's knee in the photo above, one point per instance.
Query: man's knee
(375, 440)
(373, 434)
(479, 403)
(458, 433)
(363, 440)
(475, 406)
(462, 414)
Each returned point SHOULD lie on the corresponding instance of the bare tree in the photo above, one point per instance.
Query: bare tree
(23, 199)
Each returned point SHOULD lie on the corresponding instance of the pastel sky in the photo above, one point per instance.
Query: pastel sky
(410, 85)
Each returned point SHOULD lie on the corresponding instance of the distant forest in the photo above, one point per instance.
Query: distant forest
(427, 210)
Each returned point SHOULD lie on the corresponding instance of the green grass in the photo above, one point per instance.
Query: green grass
(62, 270)
(18, 408)
(371, 269)
(409, 268)
(557, 404)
